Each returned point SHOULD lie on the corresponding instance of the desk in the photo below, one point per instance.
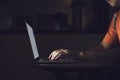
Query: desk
(83, 68)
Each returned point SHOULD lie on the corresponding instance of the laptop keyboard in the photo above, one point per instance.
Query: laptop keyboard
(42, 60)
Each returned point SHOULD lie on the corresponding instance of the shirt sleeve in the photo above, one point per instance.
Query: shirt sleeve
(111, 36)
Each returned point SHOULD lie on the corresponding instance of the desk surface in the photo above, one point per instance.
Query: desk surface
(80, 66)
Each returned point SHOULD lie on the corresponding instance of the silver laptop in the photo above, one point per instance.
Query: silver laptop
(35, 50)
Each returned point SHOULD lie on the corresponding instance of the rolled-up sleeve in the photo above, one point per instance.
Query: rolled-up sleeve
(111, 36)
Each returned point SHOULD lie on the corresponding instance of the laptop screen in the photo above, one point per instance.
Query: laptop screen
(32, 41)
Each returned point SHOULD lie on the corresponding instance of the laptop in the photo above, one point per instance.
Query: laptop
(36, 53)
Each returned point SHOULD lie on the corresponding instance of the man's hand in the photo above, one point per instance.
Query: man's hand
(57, 53)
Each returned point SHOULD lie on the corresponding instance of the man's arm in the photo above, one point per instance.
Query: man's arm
(101, 54)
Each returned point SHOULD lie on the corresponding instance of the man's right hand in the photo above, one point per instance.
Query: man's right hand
(57, 53)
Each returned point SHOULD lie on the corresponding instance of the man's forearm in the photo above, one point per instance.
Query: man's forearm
(109, 55)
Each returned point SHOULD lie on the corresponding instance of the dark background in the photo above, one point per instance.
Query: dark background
(83, 16)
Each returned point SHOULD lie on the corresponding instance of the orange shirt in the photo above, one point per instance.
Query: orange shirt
(113, 34)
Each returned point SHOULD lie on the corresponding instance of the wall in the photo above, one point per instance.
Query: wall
(16, 55)
(94, 17)
(35, 7)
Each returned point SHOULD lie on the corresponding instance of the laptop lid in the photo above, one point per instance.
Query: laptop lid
(32, 41)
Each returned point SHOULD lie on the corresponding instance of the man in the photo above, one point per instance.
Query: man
(107, 51)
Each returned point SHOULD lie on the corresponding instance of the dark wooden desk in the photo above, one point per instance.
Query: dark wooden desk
(91, 69)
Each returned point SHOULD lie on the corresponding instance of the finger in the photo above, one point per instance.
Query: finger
(57, 56)
(51, 54)
(57, 53)
(54, 54)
